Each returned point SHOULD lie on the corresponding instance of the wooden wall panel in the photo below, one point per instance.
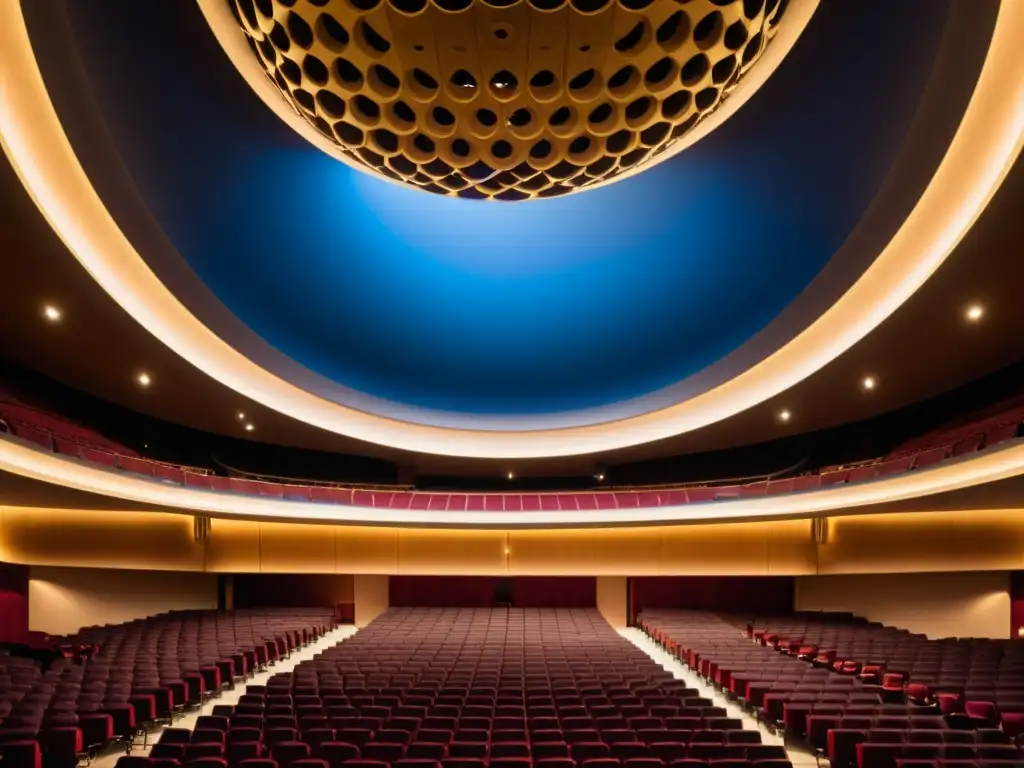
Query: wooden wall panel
(456, 553)
(791, 548)
(549, 553)
(366, 550)
(141, 540)
(234, 547)
(633, 552)
(884, 543)
(928, 542)
(370, 592)
(296, 548)
(611, 600)
(714, 550)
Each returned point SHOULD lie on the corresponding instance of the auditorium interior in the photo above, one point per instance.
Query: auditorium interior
(511, 384)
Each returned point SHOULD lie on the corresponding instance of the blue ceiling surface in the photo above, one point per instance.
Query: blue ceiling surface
(528, 308)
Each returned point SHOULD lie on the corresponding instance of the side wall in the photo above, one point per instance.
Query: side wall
(481, 591)
(936, 604)
(291, 590)
(371, 597)
(611, 600)
(13, 603)
(752, 594)
(63, 600)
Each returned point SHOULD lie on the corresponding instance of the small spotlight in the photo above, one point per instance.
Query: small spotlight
(869, 383)
(143, 379)
(785, 416)
(599, 477)
(241, 416)
(511, 475)
(975, 312)
(52, 313)
(250, 427)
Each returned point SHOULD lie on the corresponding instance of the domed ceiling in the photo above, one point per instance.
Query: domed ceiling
(549, 314)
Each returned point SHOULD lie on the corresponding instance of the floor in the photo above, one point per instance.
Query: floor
(109, 758)
(800, 756)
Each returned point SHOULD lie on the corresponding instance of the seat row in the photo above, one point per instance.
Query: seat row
(145, 672)
(835, 719)
(554, 688)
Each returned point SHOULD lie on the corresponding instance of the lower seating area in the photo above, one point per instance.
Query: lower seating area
(831, 681)
(471, 688)
(142, 672)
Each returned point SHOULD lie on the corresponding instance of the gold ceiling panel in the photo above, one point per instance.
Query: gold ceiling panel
(505, 99)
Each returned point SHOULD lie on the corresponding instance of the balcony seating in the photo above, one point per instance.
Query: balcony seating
(988, 429)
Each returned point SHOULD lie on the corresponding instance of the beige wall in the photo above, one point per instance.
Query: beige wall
(371, 597)
(63, 600)
(611, 600)
(936, 604)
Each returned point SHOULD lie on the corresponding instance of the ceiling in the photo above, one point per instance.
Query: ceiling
(534, 309)
(539, 309)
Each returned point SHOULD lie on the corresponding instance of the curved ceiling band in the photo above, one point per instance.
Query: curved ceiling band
(996, 464)
(979, 156)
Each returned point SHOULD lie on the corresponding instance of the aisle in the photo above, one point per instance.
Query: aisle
(800, 757)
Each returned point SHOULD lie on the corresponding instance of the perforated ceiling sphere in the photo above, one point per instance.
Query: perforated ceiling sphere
(506, 99)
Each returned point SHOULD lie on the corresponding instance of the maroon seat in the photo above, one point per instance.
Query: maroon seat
(286, 752)
(336, 752)
(161, 751)
(207, 762)
(238, 751)
(983, 714)
(198, 751)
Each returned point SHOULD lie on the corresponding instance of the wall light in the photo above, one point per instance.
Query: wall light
(785, 415)
(974, 313)
(869, 383)
(250, 427)
(52, 313)
(143, 379)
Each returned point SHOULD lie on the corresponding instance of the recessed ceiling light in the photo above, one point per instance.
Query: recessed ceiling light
(241, 416)
(143, 379)
(599, 477)
(975, 312)
(511, 475)
(52, 313)
(785, 415)
(250, 427)
(869, 382)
